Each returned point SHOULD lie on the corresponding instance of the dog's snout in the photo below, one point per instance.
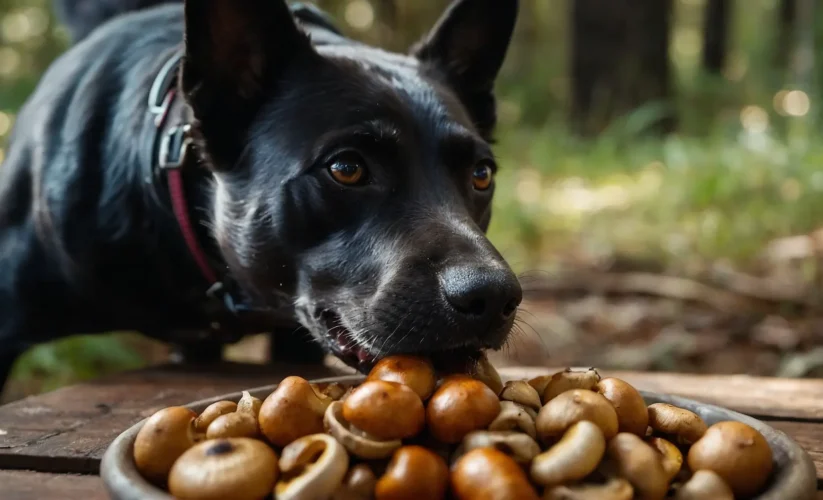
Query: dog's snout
(484, 296)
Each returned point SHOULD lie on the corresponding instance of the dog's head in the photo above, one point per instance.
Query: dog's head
(354, 182)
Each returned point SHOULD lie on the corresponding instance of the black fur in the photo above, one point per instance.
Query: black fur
(397, 263)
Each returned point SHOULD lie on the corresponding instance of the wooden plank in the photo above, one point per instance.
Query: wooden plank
(795, 399)
(30, 485)
(809, 436)
(69, 429)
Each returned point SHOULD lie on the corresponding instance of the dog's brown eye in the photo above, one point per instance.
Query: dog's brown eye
(348, 169)
(482, 177)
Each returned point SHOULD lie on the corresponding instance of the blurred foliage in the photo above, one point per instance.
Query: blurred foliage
(742, 169)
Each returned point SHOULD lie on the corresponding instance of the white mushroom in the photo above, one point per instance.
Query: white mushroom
(517, 445)
(574, 457)
(520, 392)
(311, 468)
(704, 484)
(357, 442)
(514, 417)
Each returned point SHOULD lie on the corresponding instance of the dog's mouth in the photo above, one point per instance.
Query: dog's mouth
(343, 344)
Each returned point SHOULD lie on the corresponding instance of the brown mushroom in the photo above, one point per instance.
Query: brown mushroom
(292, 411)
(311, 467)
(637, 462)
(357, 442)
(684, 426)
(237, 468)
(386, 410)
(520, 392)
(571, 407)
(358, 484)
(632, 415)
(237, 424)
(520, 447)
(460, 405)
(165, 436)
(552, 386)
(414, 472)
(214, 410)
(672, 457)
(485, 372)
(333, 390)
(739, 454)
(249, 404)
(489, 474)
(704, 484)
(613, 489)
(414, 372)
(512, 417)
(574, 457)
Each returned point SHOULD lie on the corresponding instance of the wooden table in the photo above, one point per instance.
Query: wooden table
(51, 444)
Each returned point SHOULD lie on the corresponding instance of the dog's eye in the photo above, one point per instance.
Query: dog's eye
(348, 169)
(482, 176)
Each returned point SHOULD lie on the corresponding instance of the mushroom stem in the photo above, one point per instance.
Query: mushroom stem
(311, 467)
(574, 457)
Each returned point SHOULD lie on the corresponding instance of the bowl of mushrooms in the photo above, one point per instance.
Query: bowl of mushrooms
(406, 432)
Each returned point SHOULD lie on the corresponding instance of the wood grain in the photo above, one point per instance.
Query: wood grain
(31, 485)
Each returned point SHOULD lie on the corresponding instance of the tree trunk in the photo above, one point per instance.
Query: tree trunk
(715, 36)
(620, 61)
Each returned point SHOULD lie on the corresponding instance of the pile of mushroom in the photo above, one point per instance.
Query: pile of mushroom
(405, 434)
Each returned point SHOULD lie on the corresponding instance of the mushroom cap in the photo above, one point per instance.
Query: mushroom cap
(249, 404)
(311, 467)
(358, 484)
(520, 392)
(574, 457)
(385, 410)
(237, 424)
(671, 454)
(571, 407)
(485, 372)
(564, 381)
(512, 417)
(637, 462)
(460, 405)
(517, 445)
(292, 411)
(214, 410)
(357, 443)
(686, 426)
(333, 390)
(739, 454)
(704, 484)
(632, 415)
(613, 489)
(165, 436)
(414, 472)
(237, 468)
(489, 474)
(415, 372)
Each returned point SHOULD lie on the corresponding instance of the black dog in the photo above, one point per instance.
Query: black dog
(304, 179)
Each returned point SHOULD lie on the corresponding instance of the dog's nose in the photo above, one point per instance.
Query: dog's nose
(485, 296)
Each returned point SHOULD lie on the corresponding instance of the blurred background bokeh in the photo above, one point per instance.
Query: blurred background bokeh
(661, 187)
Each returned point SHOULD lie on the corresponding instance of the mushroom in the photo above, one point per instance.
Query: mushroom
(549, 387)
(357, 442)
(613, 489)
(520, 447)
(739, 454)
(632, 415)
(311, 467)
(571, 407)
(165, 436)
(386, 410)
(683, 425)
(333, 390)
(249, 404)
(237, 468)
(414, 372)
(358, 484)
(237, 424)
(637, 462)
(520, 392)
(702, 485)
(460, 405)
(671, 455)
(214, 410)
(489, 474)
(574, 457)
(414, 472)
(485, 372)
(512, 417)
(292, 411)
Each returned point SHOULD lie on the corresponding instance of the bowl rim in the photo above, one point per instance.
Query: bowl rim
(795, 480)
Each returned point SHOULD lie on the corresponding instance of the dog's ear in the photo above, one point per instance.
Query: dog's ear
(467, 46)
(235, 50)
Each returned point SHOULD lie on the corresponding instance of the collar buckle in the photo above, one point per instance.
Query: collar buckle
(174, 147)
